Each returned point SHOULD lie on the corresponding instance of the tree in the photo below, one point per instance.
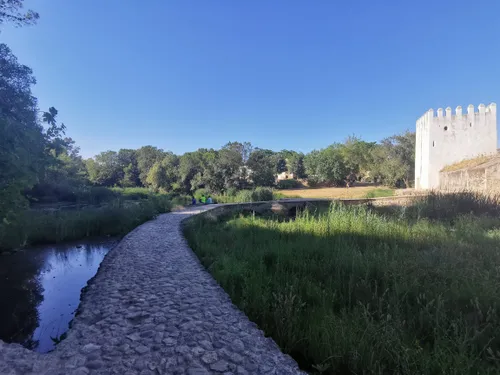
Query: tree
(21, 138)
(262, 166)
(326, 166)
(129, 174)
(104, 169)
(394, 160)
(191, 168)
(163, 174)
(11, 11)
(358, 155)
(146, 157)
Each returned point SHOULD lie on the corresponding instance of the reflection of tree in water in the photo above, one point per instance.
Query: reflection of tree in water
(21, 290)
(20, 293)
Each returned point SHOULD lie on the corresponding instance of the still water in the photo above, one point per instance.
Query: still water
(40, 290)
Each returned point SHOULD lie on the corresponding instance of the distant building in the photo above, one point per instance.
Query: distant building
(444, 139)
(284, 176)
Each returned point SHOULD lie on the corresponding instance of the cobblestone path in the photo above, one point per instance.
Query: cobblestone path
(153, 309)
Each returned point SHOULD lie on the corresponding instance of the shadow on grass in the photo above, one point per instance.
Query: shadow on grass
(353, 294)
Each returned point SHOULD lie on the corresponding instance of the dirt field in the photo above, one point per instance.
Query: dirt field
(332, 192)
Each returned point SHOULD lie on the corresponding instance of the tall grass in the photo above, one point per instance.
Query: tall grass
(115, 218)
(355, 291)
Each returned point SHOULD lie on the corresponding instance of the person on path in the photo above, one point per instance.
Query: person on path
(209, 200)
(203, 199)
(193, 201)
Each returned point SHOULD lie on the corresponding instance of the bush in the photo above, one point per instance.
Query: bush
(133, 193)
(313, 181)
(262, 194)
(288, 184)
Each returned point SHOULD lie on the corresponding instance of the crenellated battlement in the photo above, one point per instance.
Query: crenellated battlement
(445, 136)
(491, 108)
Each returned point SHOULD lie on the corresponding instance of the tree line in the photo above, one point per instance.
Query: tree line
(39, 163)
(239, 165)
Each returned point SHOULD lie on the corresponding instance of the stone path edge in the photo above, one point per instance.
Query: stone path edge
(210, 336)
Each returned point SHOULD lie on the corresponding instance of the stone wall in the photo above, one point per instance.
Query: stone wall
(483, 178)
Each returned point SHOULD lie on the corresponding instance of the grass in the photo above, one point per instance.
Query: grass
(467, 163)
(379, 193)
(255, 195)
(333, 192)
(356, 291)
(114, 218)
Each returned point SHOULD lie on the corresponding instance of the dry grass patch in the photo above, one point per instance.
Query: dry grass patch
(467, 163)
(332, 192)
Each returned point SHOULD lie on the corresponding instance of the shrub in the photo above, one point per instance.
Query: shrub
(99, 195)
(313, 181)
(244, 196)
(288, 184)
(133, 193)
(262, 194)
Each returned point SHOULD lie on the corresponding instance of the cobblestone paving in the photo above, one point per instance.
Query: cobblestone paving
(153, 309)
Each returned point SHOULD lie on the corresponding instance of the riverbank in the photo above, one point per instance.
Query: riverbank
(113, 218)
(152, 308)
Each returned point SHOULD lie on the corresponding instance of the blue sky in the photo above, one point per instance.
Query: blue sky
(184, 74)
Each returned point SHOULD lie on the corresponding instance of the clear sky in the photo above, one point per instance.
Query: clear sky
(184, 74)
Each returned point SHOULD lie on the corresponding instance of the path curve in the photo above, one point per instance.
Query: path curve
(153, 309)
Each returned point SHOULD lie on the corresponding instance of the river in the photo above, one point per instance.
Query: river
(40, 290)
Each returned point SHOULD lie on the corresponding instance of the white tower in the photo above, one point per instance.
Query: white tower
(445, 139)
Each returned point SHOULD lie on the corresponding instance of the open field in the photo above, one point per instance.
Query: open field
(337, 192)
(355, 290)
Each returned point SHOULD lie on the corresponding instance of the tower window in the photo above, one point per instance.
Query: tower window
(445, 128)
(432, 143)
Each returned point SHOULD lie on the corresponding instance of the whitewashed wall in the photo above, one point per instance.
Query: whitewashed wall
(447, 138)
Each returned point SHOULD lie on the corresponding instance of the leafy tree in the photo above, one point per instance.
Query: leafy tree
(358, 155)
(326, 166)
(191, 168)
(394, 160)
(129, 174)
(12, 11)
(244, 149)
(279, 162)
(163, 174)
(262, 166)
(104, 169)
(146, 157)
(21, 138)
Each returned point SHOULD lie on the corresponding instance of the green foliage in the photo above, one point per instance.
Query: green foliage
(255, 195)
(354, 290)
(394, 160)
(327, 166)
(146, 157)
(115, 218)
(288, 184)
(262, 166)
(378, 193)
(22, 141)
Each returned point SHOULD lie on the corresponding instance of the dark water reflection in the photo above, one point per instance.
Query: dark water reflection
(40, 290)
